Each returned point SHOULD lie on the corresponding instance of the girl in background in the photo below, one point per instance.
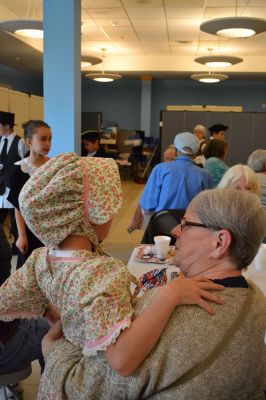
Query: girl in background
(38, 136)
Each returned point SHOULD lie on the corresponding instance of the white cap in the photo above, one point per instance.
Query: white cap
(187, 143)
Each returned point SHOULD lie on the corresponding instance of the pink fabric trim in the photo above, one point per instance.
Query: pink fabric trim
(19, 315)
(85, 195)
(68, 259)
(120, 325)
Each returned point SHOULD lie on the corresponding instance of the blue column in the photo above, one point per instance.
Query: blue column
(61, 73)
(145, 112)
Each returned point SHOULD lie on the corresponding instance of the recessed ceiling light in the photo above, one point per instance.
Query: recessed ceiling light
(88, 61)
(113, 23)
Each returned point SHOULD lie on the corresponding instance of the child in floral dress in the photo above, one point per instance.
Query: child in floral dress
(69, 204)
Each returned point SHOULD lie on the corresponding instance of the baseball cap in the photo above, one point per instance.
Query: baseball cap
(186, 143)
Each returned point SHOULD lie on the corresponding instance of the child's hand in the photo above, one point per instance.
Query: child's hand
(22, 244)
(196, 290)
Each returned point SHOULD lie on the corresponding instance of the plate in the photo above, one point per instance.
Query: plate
(141, 256)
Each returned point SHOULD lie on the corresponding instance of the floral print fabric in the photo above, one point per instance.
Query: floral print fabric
(68, 194)
(91, 291)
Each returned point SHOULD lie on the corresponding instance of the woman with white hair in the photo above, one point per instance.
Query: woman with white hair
(200, 132)
(198, 356)
(240, 177)
(257, 162)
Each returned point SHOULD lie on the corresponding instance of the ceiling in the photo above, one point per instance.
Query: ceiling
(156, 38)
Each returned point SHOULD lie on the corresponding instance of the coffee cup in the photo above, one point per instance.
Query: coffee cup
(162, 244)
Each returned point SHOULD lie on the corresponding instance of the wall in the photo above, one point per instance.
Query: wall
(249, 94)
(119, 101)
(20, 81)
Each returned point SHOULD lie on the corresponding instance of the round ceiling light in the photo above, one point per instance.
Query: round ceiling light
(88, 61)
(218, 61)
(234, 27)
(24, 27)
(103, 76)
(209, 77)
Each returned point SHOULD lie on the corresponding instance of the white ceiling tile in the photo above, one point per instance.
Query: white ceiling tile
(152, 12)
(230, 3)
(144, 33)
(144, 4)
(118, 22)
(188, 3)
(107, 13)
(154, 22)
(100, 3)
(88, 22)
(126, 33)
(176, 12)
(92, 33)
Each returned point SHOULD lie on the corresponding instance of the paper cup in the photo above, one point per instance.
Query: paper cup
(162, 244)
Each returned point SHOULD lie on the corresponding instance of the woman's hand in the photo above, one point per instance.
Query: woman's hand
(196, 290)
(22, 243)
(51, 336)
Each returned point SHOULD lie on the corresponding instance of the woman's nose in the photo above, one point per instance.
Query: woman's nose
(176, 231)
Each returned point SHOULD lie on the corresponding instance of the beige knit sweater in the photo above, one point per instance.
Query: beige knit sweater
(238, 372)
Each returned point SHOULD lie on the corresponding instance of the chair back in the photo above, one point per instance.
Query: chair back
(161, 223)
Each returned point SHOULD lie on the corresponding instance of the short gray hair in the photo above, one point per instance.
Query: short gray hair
(257, 160)
(241, 213)
(237, 172)
(200, 128)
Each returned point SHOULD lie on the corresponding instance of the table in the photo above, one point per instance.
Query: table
(255, 272)
(138, 268)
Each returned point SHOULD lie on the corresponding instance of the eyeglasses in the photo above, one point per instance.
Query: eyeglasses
(184, 223)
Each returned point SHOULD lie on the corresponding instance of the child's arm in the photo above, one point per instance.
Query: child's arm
(20, 295)
(22, 241)
(136, 342)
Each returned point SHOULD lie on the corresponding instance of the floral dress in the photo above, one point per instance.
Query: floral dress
(92, 292)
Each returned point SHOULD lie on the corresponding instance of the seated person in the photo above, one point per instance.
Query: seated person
(215, 153)
(257, 162)
(169, 154)
(173, 185)
(91, 146)
(198, 356)
(240, 177)
(70, 206)
(20, 340)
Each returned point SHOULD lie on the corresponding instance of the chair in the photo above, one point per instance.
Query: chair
(13, 377)
(161, 223)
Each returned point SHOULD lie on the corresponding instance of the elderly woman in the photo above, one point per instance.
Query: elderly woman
(257, 162)
(199, 356)
(240, 177)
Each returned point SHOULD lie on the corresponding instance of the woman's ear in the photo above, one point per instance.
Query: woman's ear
(28, 142)
(223, 240)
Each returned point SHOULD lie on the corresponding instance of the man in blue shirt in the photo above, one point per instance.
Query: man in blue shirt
(172, 185)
